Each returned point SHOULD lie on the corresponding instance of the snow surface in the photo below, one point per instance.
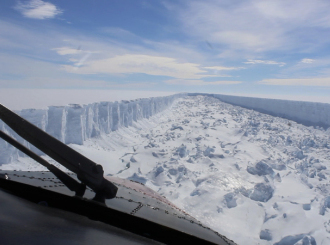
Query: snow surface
(255, 178)
(304, 112)
(292, 97)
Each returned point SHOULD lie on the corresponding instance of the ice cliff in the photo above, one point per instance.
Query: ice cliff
(303, 112)
(75, 123)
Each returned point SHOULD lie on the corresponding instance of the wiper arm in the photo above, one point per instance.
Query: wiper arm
(70, 182)
(87, 171)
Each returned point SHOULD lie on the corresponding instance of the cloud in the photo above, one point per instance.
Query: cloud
(266, 62)
(223, 68)
(74, 51)
(325, 82)
(47, 82)
(199, 82)
(307, 61)
(83, 60)
(38, 9)
(67, 50)
(137, 63)
(118, 32)
(256, 26)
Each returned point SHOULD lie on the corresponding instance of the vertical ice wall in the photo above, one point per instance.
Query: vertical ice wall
(306, 113)
(76, 123)
(9, 153)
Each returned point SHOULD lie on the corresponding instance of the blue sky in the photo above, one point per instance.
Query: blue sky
(274, 47)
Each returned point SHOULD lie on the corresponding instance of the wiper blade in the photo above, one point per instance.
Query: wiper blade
(70, 182)
(87, 171)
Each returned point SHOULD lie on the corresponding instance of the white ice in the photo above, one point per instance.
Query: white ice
(255, 178)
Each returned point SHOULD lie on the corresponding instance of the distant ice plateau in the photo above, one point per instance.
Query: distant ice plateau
(304, 112)
(240, 165)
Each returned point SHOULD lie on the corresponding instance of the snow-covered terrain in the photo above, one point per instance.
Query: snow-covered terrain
(255, 178)
(304, 112)
(76, 123)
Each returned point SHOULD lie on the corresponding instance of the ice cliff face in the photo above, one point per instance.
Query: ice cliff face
(303, 112)
(76, 123)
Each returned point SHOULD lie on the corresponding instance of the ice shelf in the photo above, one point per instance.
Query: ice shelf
(75, 123)
(303, 112)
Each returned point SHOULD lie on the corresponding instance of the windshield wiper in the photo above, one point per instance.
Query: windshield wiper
(88, 172)
(70, 182)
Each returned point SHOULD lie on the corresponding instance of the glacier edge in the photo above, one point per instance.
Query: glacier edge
(75, 123)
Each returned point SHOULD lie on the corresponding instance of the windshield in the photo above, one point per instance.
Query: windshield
(220, 106)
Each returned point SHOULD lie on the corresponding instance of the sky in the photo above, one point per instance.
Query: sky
(247, 47)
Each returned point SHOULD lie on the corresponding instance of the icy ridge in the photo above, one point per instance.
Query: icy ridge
(303, 112)
(73, 124)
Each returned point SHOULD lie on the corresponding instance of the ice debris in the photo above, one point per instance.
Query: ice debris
(262, 192)
(265, 235)
(261, 168)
